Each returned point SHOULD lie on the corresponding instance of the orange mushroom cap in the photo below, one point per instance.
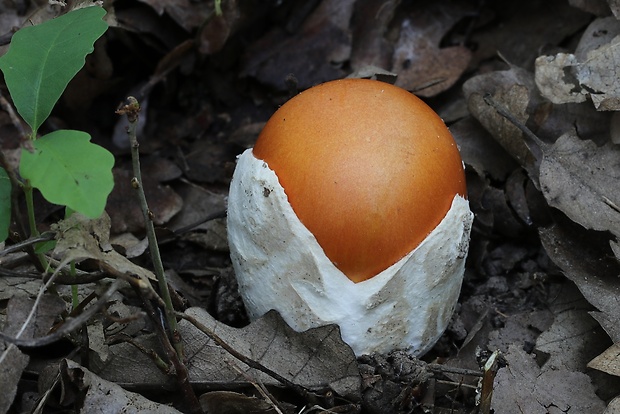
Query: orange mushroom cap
(368, 168)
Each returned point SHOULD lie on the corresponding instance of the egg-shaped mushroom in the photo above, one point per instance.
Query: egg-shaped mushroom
(351, 209)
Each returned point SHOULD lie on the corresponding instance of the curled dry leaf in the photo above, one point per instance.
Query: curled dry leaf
(589, 73)
(79, 237)
(513, 89)
(314, 359)
(582, 179)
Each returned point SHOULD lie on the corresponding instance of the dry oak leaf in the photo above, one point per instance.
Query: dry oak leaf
(581, 179)
(314, 359)
(524, 387)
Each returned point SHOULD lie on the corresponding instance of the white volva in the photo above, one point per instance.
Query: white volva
(279, 265)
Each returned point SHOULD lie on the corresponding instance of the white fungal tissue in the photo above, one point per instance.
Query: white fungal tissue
(279, 265)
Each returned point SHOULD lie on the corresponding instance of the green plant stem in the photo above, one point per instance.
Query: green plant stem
(32, 223)
(34, 232)
(158, 266)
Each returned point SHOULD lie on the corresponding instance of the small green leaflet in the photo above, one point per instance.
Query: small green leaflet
(70, 170)
(43, 59)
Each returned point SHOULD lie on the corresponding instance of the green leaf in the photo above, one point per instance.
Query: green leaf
(70, 170)
(43, 59)
(5, 204)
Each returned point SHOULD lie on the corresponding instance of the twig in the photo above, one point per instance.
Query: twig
(48, 235)
(454, 370)
(131, 109)
(535, 144)
(181, 372)
(214, 216)
(70, 325)
(490, 370)
(163, 366)
(298, 389)
(260, 387)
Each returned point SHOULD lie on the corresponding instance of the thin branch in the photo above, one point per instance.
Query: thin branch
(300, 390)
(132, 109)
(70, 325)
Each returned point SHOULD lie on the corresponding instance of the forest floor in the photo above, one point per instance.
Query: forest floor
(526, 90)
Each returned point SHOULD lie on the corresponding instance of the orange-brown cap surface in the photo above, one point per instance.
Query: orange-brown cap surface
(367, 167)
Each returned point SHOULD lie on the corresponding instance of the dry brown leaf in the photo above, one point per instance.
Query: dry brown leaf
(218, 29)
(582, 179)
(229, 402)
(185, 13)
(520, 329)
(572, 340)
(586, 259)
(18, 286)
(99, 395)
(520, 29)
(597, 7)
(610, 326)
(523, 387)
(615, 247)
(513, 89)
(198, 204)
(421, 64)
(614, 405)
(160, 34)
(369, 27)
(12, 360)
(608, 361)
(123, 205)
(315, 359)
(312, 55)
(614, 5)
(480, 151)
(79, 237)
(589, 73)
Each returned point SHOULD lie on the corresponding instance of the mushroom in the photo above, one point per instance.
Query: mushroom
(351, 209)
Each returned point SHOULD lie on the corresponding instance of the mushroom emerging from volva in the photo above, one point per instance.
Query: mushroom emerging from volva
(351, 209)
